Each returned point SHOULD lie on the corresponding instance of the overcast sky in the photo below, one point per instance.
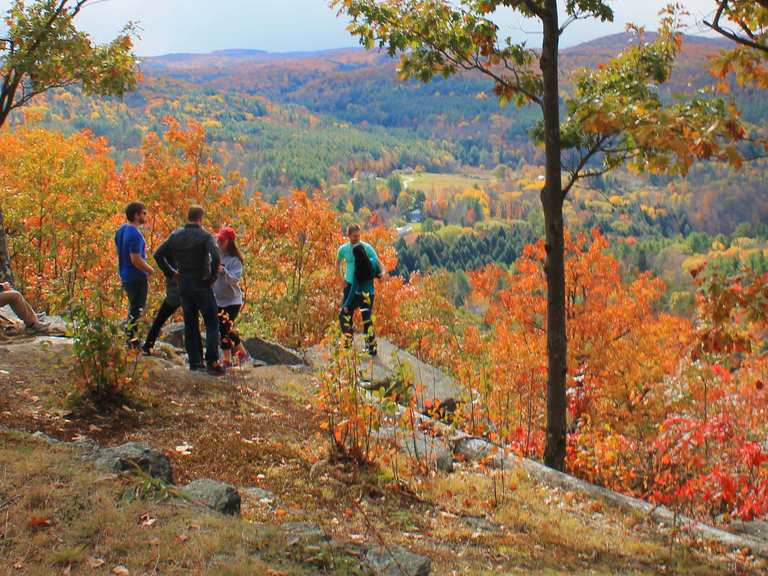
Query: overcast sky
(291, 25)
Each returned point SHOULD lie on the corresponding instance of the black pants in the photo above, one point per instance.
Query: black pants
(227, 316)
(171, 303)
(197, 299)
(166, 310)
(137, 300)
(365, 303)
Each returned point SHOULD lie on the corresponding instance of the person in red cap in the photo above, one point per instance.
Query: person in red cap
(229, 296)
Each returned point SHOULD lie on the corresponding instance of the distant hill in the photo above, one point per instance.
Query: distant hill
(251, 69)
(361, 87)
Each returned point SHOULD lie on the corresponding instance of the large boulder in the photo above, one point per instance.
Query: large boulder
(173, 334)
(477, 449)
(216, 495)
(433, 451)
(397, 561)
(272, 353)
(126, 457)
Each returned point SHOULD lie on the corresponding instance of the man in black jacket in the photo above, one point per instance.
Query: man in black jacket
(194, 251)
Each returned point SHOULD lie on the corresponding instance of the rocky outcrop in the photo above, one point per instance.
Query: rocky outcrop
(394, 369)
(218, 496)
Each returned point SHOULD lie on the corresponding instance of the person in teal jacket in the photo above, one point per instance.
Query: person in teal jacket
(362, 266)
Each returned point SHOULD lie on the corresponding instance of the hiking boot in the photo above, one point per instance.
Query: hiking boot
(371, 350)
(38, 327)
(216, 369)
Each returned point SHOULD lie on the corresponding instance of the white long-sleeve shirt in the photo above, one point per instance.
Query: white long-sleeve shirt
(227, 286)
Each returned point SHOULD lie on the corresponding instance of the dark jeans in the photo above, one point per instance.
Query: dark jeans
(365, 304)
(197, 298)
(137, 300)
(227, 316)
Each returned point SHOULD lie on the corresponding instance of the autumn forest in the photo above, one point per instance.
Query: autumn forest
(580, 244)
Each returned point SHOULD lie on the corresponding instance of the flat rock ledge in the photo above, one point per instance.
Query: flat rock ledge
(263, 352)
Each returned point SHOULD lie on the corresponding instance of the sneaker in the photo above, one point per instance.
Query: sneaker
(197, 368)
(38, 327)
(216, 369)
(243, 358)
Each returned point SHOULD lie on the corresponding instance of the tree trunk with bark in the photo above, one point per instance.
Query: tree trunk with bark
(552, 203)
(5, 259)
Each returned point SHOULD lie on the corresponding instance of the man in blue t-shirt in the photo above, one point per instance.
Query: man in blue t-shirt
(358, 292)
(133, 267)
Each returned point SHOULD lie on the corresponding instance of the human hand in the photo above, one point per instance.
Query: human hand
(6, 286)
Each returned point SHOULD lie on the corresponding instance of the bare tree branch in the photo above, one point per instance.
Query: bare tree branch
(575, 173)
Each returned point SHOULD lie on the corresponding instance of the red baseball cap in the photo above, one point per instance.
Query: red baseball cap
(227, 233)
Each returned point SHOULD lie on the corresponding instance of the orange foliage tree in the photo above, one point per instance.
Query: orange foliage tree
(57, 194)
(619, 346)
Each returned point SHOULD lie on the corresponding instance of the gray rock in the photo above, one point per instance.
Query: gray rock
(271, 352)
(397, 561)
(173, 334)
(420, 446)
(305, 532)
(87, 446)
(755, 528)
(259, 494)
(216, 495)
(45, 438)
(433, 383)
(480, 524)
(122, 458)
(477, 449)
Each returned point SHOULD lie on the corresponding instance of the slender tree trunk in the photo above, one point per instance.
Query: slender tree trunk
(5, 259)
(552, 203)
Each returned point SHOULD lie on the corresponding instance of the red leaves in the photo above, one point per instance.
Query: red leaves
(36, 523)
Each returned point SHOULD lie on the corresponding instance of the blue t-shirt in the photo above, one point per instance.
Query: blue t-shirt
(128, 240)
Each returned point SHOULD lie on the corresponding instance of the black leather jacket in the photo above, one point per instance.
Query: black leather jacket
(194, 252)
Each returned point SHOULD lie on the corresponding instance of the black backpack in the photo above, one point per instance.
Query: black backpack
(363, 266)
